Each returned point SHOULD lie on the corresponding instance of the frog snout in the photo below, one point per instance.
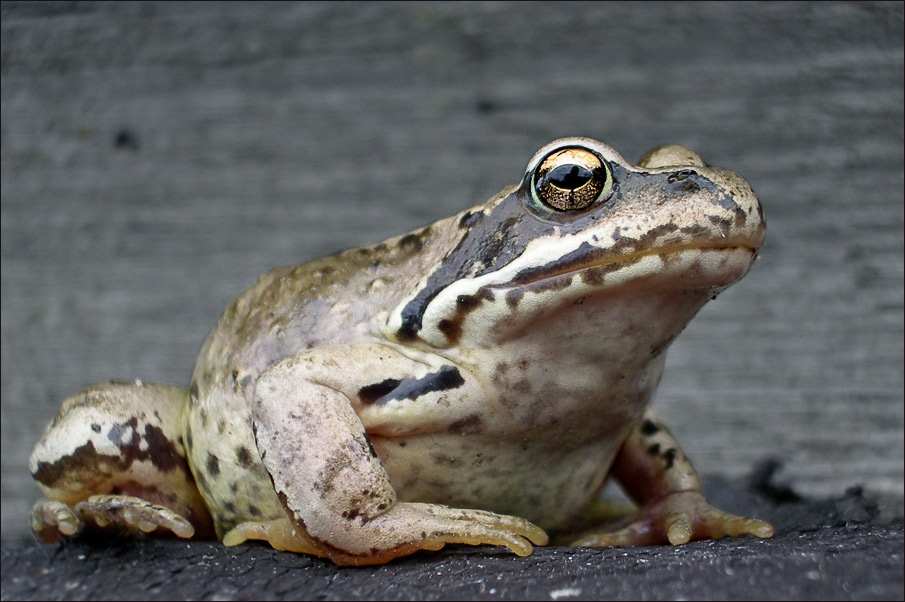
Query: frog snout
(739, 200)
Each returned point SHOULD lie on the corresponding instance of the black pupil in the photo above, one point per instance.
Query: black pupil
(569, 177)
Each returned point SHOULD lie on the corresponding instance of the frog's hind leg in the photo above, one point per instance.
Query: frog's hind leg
(113, 459)
(654, 472)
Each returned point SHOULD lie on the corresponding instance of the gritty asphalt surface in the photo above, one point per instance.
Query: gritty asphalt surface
(840, 549)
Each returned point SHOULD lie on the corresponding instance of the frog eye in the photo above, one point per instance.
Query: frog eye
(570, 179)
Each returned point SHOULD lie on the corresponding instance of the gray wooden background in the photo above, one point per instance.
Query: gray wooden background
(156, 158)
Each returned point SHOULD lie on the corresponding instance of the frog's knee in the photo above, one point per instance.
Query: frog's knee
(117, 438)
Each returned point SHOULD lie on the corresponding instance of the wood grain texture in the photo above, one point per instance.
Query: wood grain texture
(156, 158)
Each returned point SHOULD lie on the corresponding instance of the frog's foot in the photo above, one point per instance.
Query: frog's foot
(409, 527)
(678, 518)
(281, 534)
(405, 529)
(128, 514)
(52, 521)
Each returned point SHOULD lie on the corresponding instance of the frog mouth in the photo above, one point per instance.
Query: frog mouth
(707, 266)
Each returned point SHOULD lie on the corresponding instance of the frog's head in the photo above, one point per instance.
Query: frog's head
(584, 225)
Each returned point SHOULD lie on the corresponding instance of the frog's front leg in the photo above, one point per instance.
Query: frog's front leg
(338, 497)
(113, 460)
(654, 472)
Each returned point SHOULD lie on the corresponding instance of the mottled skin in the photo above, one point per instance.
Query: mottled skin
(465, 383)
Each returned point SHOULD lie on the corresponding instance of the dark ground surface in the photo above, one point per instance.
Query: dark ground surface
(823, 550)
(158, 157)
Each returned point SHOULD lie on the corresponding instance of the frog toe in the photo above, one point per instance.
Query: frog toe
(52, 521)
(676, 519)
(132, 514)
(281, 534)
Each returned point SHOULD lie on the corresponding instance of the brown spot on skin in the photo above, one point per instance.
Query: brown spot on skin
(669, 456)
(469, 425)
(465, 304)
(254, 510)
(244, 457)
(654, 449)
(443, 459)
(213, 464)
(96, 428)
(230, 507)
(648, 428)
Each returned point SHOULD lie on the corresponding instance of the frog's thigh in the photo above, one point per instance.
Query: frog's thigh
(336, 492)
(654, 472)
(113, 459)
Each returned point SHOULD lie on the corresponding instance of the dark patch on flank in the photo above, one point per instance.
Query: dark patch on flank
(445, 379)
(230, 507)
(83, 459)
(213, 464)
(161, 449)
(648, 428)
(118, 433)
(466, 426)
(254, 510)
(654, 449)
(369, 394)
(244, 457)
(96, 428)
(669, 456)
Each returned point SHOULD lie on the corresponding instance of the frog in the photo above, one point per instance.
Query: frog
(476, 381)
